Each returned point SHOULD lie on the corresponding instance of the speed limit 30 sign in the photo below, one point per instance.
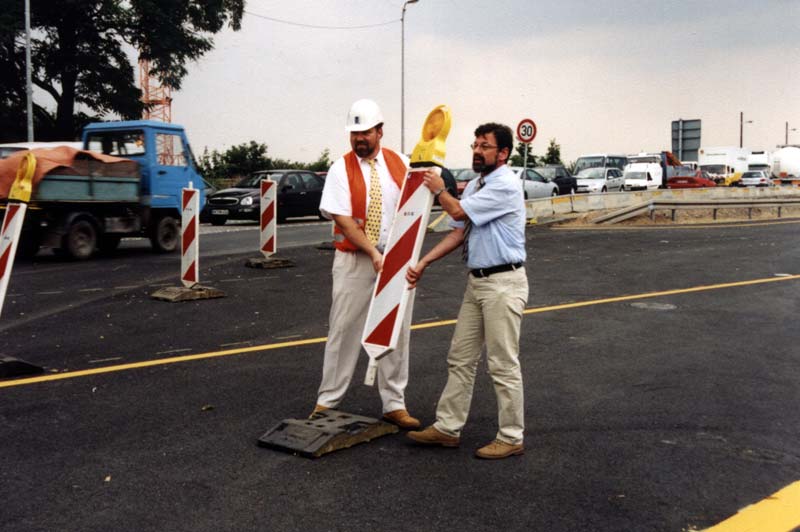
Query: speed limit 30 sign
(526, 130)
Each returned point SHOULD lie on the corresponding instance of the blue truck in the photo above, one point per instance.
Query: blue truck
(90, 206)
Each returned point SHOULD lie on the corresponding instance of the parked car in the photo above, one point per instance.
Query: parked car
(699, 179)
(557, 173)
(462, 177)
(534, 184)
(299, 193)
(600, 180)
(755, 178)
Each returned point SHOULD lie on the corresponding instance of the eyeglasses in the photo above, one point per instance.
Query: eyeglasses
(481, 147)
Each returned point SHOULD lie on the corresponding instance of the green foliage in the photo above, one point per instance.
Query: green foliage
(79, 56)
(518, 158)
(553, 155)
(244, 159)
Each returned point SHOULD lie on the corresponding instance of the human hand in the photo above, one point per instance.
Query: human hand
(433, 181)
(414, 274)
(377, 261)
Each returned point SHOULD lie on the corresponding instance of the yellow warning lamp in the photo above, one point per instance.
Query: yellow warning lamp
(430, 148)
(22, 187)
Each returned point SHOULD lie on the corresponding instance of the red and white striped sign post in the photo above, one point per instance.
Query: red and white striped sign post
(190, 230)
(391, 294)
(269, 214)
(11, 228)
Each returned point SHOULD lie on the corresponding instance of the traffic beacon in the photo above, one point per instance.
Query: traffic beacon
(10, 230)
(332, 429)
(389, 307)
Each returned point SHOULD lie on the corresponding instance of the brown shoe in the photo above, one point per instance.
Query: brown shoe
(431, 436)
(499, 449)
(402, 419)
(317, 409)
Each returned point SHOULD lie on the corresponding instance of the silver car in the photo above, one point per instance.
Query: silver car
(756, 178)
(600, 180)
(534, 184)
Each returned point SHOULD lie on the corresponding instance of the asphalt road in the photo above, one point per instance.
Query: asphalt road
(661, 370)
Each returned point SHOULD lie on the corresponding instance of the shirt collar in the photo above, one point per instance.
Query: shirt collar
(378, 159)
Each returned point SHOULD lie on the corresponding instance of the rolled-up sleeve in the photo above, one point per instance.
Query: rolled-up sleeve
(336, 192)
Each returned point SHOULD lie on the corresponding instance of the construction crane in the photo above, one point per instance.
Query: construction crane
(157, 100)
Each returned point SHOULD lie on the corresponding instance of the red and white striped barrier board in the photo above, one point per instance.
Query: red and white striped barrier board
(269, 214)
(190, 232)
(391, 294)
(9, 237)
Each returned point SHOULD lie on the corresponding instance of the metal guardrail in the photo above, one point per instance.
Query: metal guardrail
(714, 205)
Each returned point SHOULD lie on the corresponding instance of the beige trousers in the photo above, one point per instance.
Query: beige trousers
(353, 283)
(491, 314)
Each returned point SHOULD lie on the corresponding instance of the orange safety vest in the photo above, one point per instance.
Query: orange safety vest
(358, 192)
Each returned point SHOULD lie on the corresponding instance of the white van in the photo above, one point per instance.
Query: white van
(643, 172)
(725, 164)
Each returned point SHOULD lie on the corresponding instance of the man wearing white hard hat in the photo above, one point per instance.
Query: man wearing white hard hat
(360, 195)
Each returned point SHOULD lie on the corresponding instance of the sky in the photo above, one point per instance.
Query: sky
(595, 75)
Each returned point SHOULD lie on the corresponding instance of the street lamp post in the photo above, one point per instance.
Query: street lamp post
(741, 127)
(403, 75)
(786, 140)
(28, 84)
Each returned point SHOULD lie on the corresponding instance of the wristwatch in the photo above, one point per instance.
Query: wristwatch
(436, 194)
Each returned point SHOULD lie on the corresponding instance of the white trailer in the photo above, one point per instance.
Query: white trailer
(725, 164)
(760, 160)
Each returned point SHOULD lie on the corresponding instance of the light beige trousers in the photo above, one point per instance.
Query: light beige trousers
(491, 314)
(353, 283)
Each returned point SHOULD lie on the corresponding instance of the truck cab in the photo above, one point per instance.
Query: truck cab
(166, 162)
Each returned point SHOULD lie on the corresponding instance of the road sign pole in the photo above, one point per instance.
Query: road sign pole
(526, 132)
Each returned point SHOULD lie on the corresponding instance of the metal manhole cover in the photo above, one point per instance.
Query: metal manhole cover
(654, 306)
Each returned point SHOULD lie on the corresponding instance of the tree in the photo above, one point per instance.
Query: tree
(553, 155)
(80, 56)
(517, 158)
(244, 159)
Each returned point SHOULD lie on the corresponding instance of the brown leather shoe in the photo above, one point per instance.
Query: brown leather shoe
(402, 419)
(431, 436)
(317, 409)
(499, 449)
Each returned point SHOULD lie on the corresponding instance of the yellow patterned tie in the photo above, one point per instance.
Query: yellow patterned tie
(375, 209)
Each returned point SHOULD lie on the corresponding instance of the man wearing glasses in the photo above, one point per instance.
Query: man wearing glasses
(489, 221)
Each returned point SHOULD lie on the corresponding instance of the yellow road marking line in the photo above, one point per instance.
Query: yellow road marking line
(419, 326)
(780, 512)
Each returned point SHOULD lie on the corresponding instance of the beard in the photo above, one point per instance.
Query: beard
(363, 148)
(479, 165)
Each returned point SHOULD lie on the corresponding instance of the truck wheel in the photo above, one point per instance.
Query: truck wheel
(108, 243)
(218, 220)
(165, 235)
(80, 240)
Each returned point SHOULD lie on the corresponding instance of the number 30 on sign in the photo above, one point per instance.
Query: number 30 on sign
(526, 130)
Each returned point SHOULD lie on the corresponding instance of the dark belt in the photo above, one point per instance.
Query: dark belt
(486, 272)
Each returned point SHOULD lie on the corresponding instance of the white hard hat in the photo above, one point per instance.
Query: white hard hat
(364, 114)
